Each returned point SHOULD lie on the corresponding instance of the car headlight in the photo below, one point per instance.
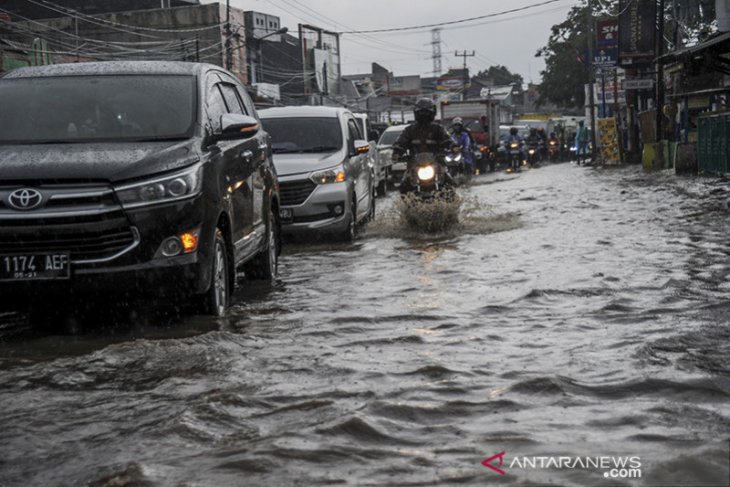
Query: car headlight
(329, 176)
(172, 187)
(426, 173)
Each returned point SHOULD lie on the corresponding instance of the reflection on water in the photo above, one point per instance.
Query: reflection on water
(570, 312)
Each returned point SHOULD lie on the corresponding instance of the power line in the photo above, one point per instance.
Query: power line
(453, 22)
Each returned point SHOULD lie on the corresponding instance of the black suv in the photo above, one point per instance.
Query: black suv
(125, 176)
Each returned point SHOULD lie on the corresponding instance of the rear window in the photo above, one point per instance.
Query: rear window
(96, 108)
(304, 134)
(389, 137)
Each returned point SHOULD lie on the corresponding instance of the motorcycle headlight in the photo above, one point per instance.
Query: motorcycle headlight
(426, 173)
(165, 189)
(513, 145)
(328, 177)
(532, 151)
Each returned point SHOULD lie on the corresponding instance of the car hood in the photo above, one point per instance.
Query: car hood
(113, 162)
(293, 164)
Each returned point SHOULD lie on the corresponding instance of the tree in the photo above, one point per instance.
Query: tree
(500, 75)
(566, 66)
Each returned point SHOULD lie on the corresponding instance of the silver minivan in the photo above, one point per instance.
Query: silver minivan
(321, 158)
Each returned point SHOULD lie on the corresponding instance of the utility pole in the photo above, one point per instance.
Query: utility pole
(591, 77)
(229, 59)
(466, 78)
(659, 76)
(436, 51)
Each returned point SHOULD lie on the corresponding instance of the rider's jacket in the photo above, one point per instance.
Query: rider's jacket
(418, 138)
(467, 148)
(533, 139)
(511, 138)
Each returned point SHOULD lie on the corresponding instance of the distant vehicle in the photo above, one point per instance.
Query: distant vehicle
(385, 153)
(325, 180)
(380, 171)
(133, 175)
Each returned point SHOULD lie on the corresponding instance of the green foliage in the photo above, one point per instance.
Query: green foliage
(500, 75)
(565, 71)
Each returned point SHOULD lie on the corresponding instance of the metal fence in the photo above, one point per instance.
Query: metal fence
(713, 137)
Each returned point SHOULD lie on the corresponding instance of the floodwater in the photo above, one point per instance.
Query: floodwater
(575, 315)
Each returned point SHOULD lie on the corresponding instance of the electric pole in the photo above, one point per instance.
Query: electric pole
(466, 77)
(228, 35)
(591, 79)
(436, 51)
(659, 77)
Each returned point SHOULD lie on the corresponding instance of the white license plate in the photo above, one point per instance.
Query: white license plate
(285, 214)
(34, 266)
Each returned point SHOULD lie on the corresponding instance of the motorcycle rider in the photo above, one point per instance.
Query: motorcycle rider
(463, 139)
(422, 135)
(514, 136)
(554, 145)
(534, 140)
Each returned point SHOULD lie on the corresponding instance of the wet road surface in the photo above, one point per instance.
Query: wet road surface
(574, 312)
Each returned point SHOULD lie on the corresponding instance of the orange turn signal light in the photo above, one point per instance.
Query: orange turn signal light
(189, 242)
(340, 177)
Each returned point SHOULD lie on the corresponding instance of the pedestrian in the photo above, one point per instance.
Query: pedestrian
(581, 142)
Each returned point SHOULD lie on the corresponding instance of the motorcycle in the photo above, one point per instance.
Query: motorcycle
(533, 154)
(514, 155)
(553, 150)
(455, 164)
(427, 177)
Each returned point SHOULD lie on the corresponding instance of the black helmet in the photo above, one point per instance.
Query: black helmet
(513, 130)
(424, 110)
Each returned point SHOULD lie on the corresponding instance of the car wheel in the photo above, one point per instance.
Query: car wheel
(371, 213)
(350, 232)
(383, 184)
(215, 301)
(265, 264)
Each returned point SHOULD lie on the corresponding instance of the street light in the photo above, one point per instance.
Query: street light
(283, 30)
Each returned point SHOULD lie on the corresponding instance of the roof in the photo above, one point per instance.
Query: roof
(301, 111)
(110, 67)
(716, 41)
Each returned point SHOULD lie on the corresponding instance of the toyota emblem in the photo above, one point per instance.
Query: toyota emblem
(25, 199)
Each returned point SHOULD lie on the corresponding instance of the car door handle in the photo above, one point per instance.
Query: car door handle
(247, 155)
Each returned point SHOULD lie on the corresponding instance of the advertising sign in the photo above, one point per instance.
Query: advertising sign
(637, 31)
(607, 33)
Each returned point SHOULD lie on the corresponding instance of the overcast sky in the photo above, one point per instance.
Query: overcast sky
(510, 40)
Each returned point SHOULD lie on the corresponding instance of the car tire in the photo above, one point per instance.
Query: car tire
(265, 264)
(350, 233)
(371, 212)
(216, 299)
(382, 189)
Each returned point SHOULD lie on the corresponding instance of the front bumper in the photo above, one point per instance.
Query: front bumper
(137, 267)
(327, 209)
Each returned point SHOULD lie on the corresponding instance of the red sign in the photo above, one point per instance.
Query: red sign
(607, 32)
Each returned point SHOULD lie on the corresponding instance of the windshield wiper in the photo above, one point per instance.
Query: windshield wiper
(283, 151)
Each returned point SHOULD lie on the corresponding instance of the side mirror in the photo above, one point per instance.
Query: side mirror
(361, 147)
(237, 126)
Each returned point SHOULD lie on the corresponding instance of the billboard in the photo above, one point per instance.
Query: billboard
(637, 31)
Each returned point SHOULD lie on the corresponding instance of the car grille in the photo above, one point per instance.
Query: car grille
(84, 220)
(294, 193)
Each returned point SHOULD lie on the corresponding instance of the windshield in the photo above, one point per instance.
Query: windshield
(389, 137)
(304, 134)
(96, 108)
